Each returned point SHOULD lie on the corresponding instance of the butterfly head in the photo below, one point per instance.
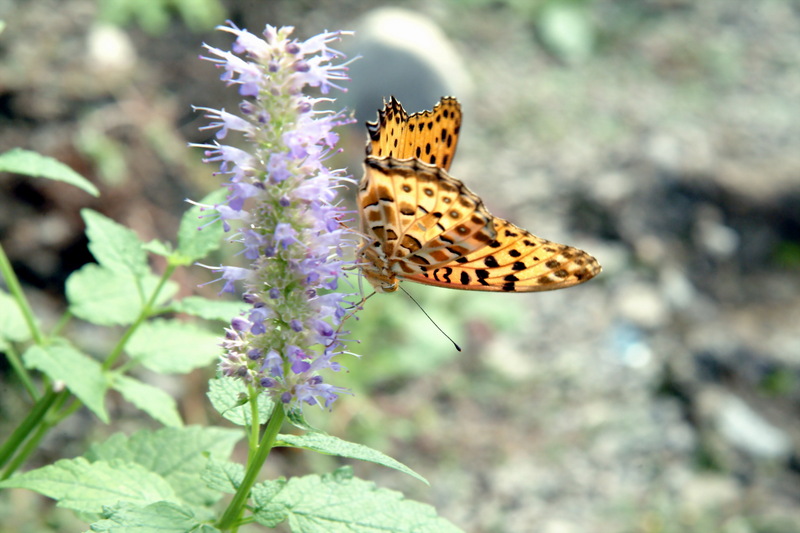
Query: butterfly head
(375, 270)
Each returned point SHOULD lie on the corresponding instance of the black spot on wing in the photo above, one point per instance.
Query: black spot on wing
(490, 261)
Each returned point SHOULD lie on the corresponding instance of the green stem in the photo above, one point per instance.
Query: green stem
(33, 443)
(16, 363)
(34, 418)
(255, 426)
(63, 321)
(235, 508)
(146, 312)
(16, 291)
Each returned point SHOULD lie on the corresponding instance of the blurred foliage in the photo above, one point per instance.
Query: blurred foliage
(564, 27)
(399, 342)
(106, 153)
(787, 254)
(779, 382)
(154, 16)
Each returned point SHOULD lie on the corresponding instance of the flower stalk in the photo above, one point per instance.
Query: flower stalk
(289, 223)
(237, 504)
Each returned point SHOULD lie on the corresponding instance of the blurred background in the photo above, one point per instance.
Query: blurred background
(660, 135)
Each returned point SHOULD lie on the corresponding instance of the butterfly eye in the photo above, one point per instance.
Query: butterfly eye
(446, 200)
(428, 191)
(455, 214)
(406, 188)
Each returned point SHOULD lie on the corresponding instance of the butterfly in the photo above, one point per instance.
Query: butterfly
(420, 224)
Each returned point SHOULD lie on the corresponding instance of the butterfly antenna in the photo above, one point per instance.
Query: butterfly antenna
(355, 308)
(429, 318)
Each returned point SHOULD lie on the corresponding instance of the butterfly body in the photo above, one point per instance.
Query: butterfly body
(421, 224)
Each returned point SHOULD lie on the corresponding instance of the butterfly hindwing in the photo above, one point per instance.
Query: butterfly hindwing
(515, 261)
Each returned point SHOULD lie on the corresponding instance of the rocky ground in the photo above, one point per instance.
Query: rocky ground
(660, 136)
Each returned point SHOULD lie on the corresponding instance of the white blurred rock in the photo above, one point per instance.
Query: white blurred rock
(744, 428)
(641, 304)
(110, 55)
(704, 492)
(405, 54)
(713, 236)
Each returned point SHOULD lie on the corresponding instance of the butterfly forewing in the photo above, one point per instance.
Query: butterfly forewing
(430, 136)
(421, 224)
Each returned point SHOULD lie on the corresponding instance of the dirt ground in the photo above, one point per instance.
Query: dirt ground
(661, 136)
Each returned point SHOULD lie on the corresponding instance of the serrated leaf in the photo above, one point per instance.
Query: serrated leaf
(111, 298)
(223, 476)
(82, 375)
(152, 400)
(12, 324)
(179, 455)
(196, 236)
(86, 487)
(270, 515)
(32, 164)
(201, 307)
(341, 503)
(173, 347)
(161, 517)
(226, 395)
(113, 245)
(329, 445)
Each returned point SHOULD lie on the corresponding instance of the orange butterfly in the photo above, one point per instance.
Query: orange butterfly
(421, 224)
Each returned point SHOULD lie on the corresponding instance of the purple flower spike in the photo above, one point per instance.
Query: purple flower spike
(283, 208)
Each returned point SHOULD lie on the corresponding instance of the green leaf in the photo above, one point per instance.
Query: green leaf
(113, 245)
(82, 375)
(296, 417)
(329, 445)
(173, 347)
(179, 455)
(152, 400)
(223, 476)
(196, 236)
(29, 163)
(110, 298)
(270, 515)
(12, 324)
(86, 487)
(209, 309)
(340, 503)
(158, 247)
(229, 397)
(160, 517)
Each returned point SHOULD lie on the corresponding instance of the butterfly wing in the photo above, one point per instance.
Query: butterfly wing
(515, 261)
(422, 225)
(430, 136)
(420, 215)
(435, 231)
